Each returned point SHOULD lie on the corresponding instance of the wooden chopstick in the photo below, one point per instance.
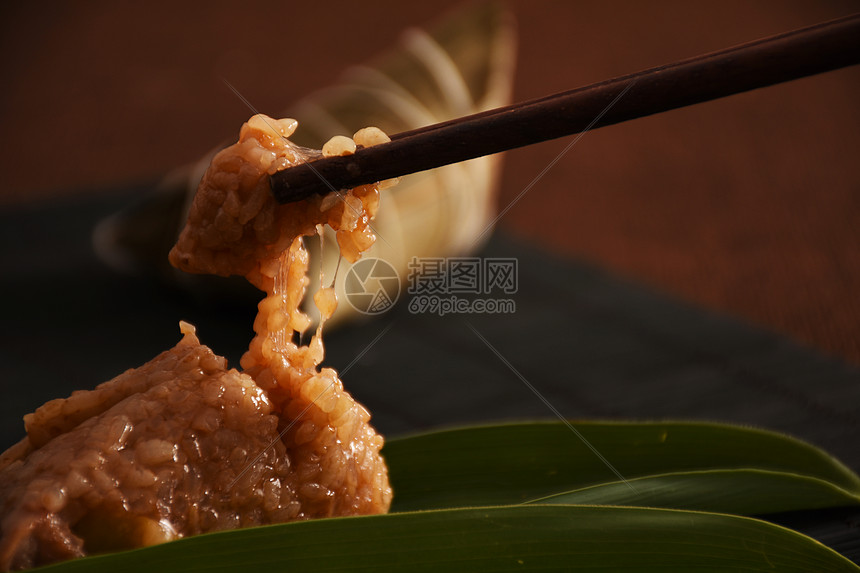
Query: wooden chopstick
(784, 57)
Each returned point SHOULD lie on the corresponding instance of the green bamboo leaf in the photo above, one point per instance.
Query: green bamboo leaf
(515, 463)
(512, 538)
(742, 492)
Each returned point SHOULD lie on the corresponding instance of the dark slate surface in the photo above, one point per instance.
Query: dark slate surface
(596, 346)
(592, 344)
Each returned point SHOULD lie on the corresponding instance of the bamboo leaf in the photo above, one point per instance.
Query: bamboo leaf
(515, 463)
(513, 538)
(742, 492)
(705, 466)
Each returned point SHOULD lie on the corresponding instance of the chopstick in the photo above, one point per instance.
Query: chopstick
(760, 63)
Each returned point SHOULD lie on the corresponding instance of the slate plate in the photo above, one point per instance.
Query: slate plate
(591, 344)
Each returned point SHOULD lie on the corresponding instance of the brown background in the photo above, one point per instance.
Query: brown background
(749, 205)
